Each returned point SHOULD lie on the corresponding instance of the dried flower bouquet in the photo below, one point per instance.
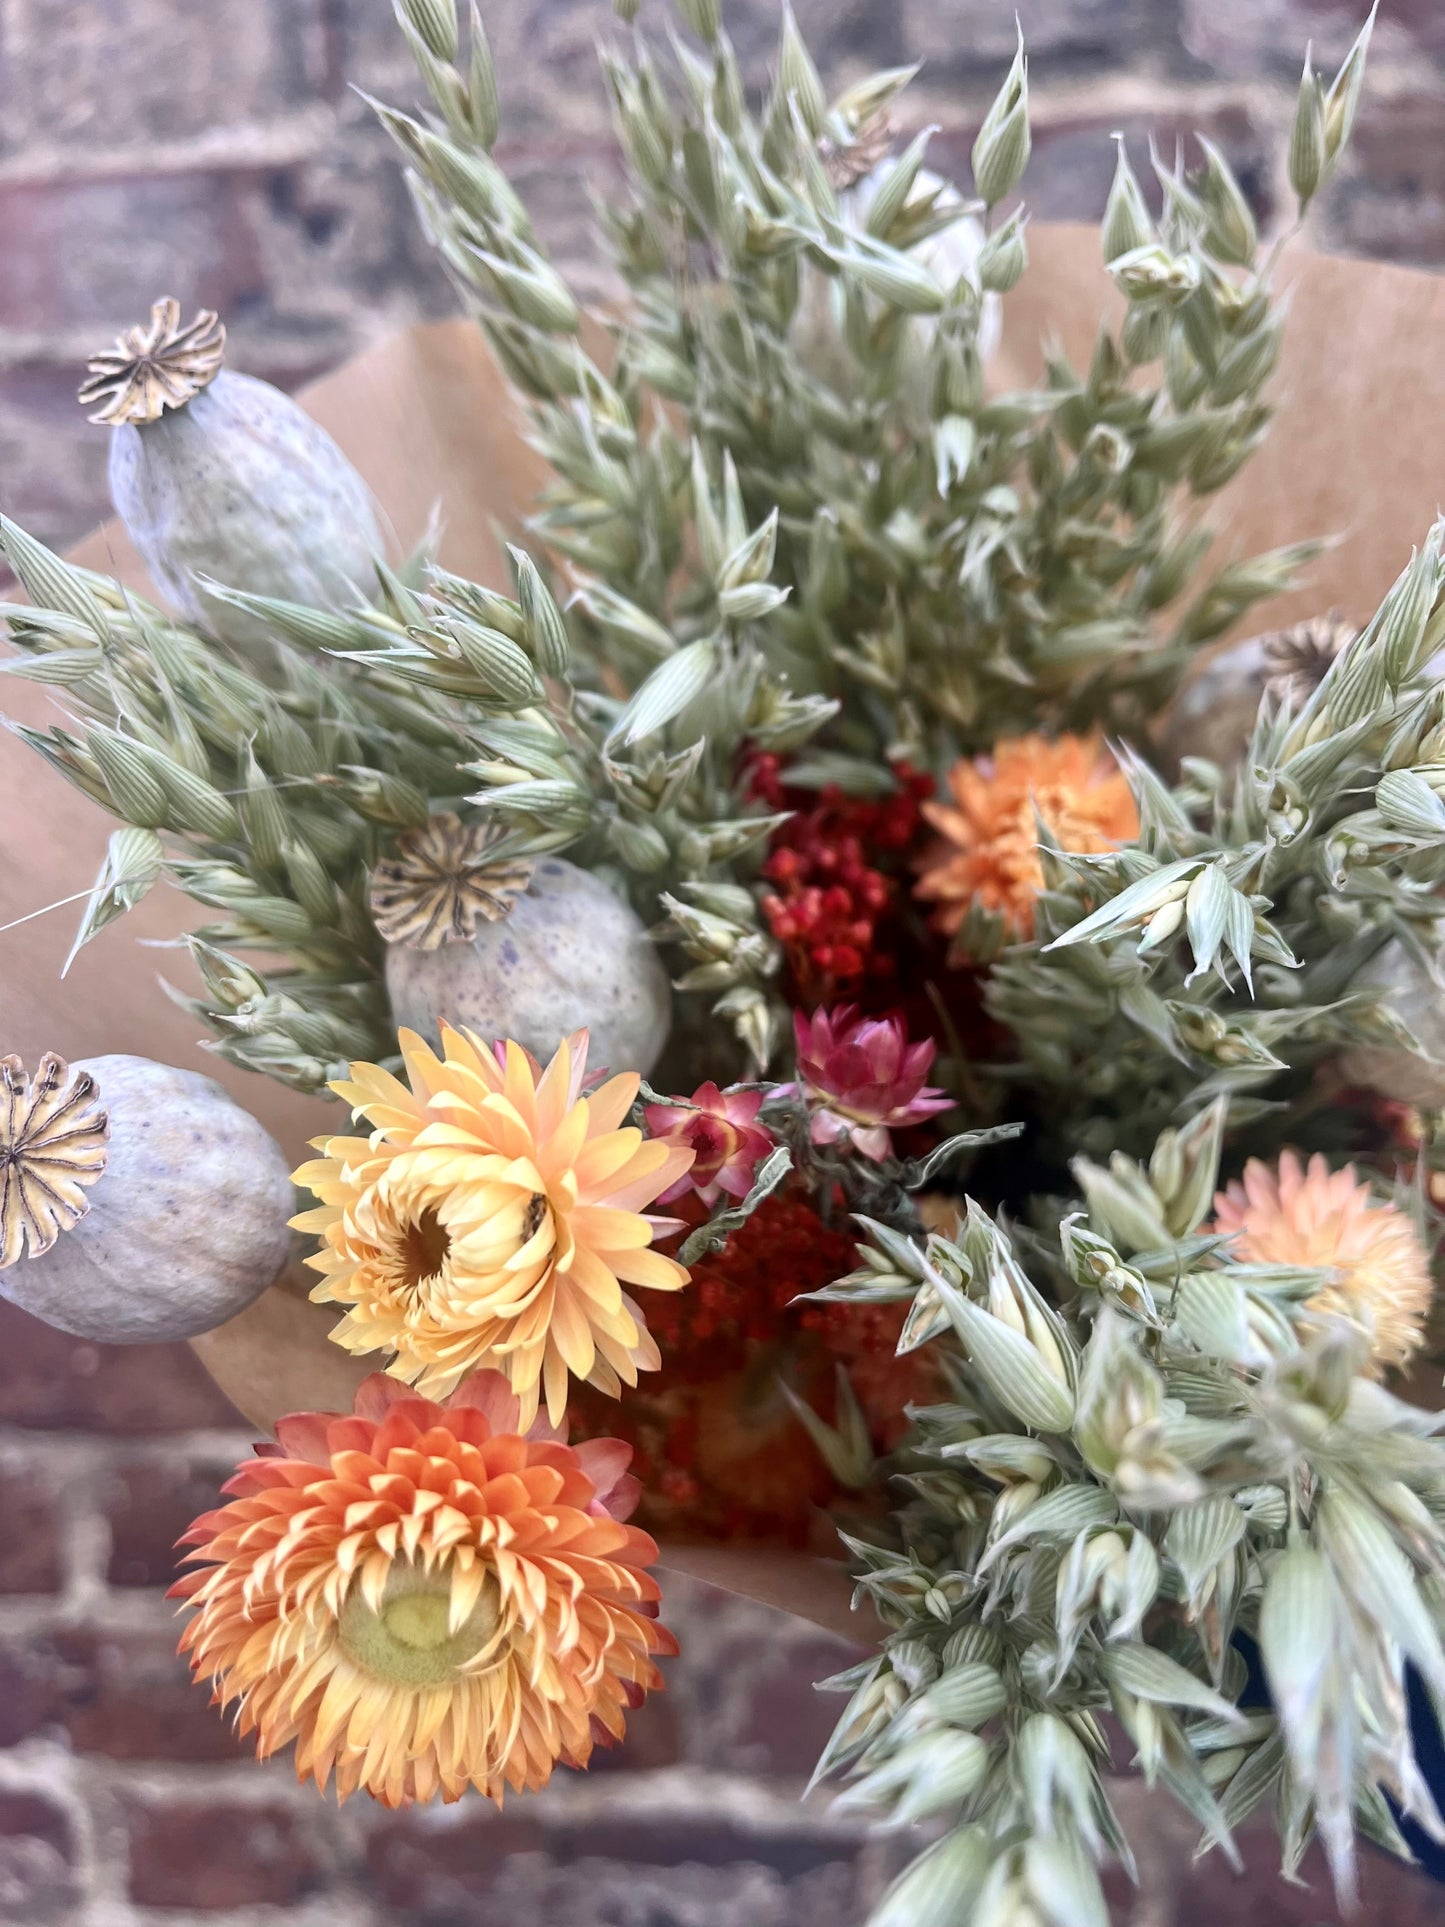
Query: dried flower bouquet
(1012, 1150)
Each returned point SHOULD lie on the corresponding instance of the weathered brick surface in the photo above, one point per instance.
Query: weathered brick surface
(1394, 204)
(98, 74)
(445, 1861)
(758, 1710)
(32, 1509)
(116, 1692)
(1246, 37)
(955, 40)
(216, 152)
(210, 1858)
(1074, 154)
(79, 251)
(125, 1694)
(37, 1859)
(148, 1504)
(1177, 1890)
(51, 1381)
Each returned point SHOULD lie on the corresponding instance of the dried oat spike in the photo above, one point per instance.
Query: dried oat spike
(154, 368)
(52, 1145)
(440, 883)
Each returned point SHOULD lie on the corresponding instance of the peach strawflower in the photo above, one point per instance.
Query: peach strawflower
(1315, 1216)
(991, 856)
(423, 1599)
(492, 1218)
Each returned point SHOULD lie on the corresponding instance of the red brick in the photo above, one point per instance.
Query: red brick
(207, 1858)
(37, 1879)
(955, 38)
(1390, 202)
(122, 1693)
(149, 1503)
(1074, 157)
(1177, 1890)
(98, 74)
(94, 252)
(129, 1695)
(652, 1739)
(1244, 36)
(52, 460)
(30, 1549)
(29, 1691)
(436, 1863)
(678, 1840)
(601, 1893)
(756, 1709)
(857, 34)
(53, 1382)
(545, 53)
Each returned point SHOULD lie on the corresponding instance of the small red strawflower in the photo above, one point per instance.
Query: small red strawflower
(861, 1078)
(722, 1131)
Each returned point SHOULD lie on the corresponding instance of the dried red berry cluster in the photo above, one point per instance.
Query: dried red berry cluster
(719, 1451)
(832, 867)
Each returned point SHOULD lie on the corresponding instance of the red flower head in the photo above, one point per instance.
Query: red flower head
(721, 1129)
(861, 1076)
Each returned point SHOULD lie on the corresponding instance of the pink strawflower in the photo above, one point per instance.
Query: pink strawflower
(722, 1131)
(861, 1076)
(1309, 1215)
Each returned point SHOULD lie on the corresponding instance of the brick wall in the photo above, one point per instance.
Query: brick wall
(215, 152)
(220, 153)
(125, 1801)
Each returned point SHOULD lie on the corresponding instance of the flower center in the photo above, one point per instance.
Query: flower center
(425, 1243)
(714, 1142)
(532, 1217)
(408, 1641)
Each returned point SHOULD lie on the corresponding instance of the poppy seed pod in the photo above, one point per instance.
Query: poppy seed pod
(140, 1203)
(531, 954)
(222, 480)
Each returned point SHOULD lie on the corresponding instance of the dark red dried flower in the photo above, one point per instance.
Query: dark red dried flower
(719, 1451)
(831, 870)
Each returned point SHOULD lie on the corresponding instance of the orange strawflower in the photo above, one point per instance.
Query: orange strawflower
(424, 1600)
(492, 1219)
(1315, 1216)
(991, 856)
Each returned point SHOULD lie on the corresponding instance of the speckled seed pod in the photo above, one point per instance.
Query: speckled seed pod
(1414, 996)
(223, 479)
(568, 953)
(1214, 714)
(186, 1225)
(242, 488)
